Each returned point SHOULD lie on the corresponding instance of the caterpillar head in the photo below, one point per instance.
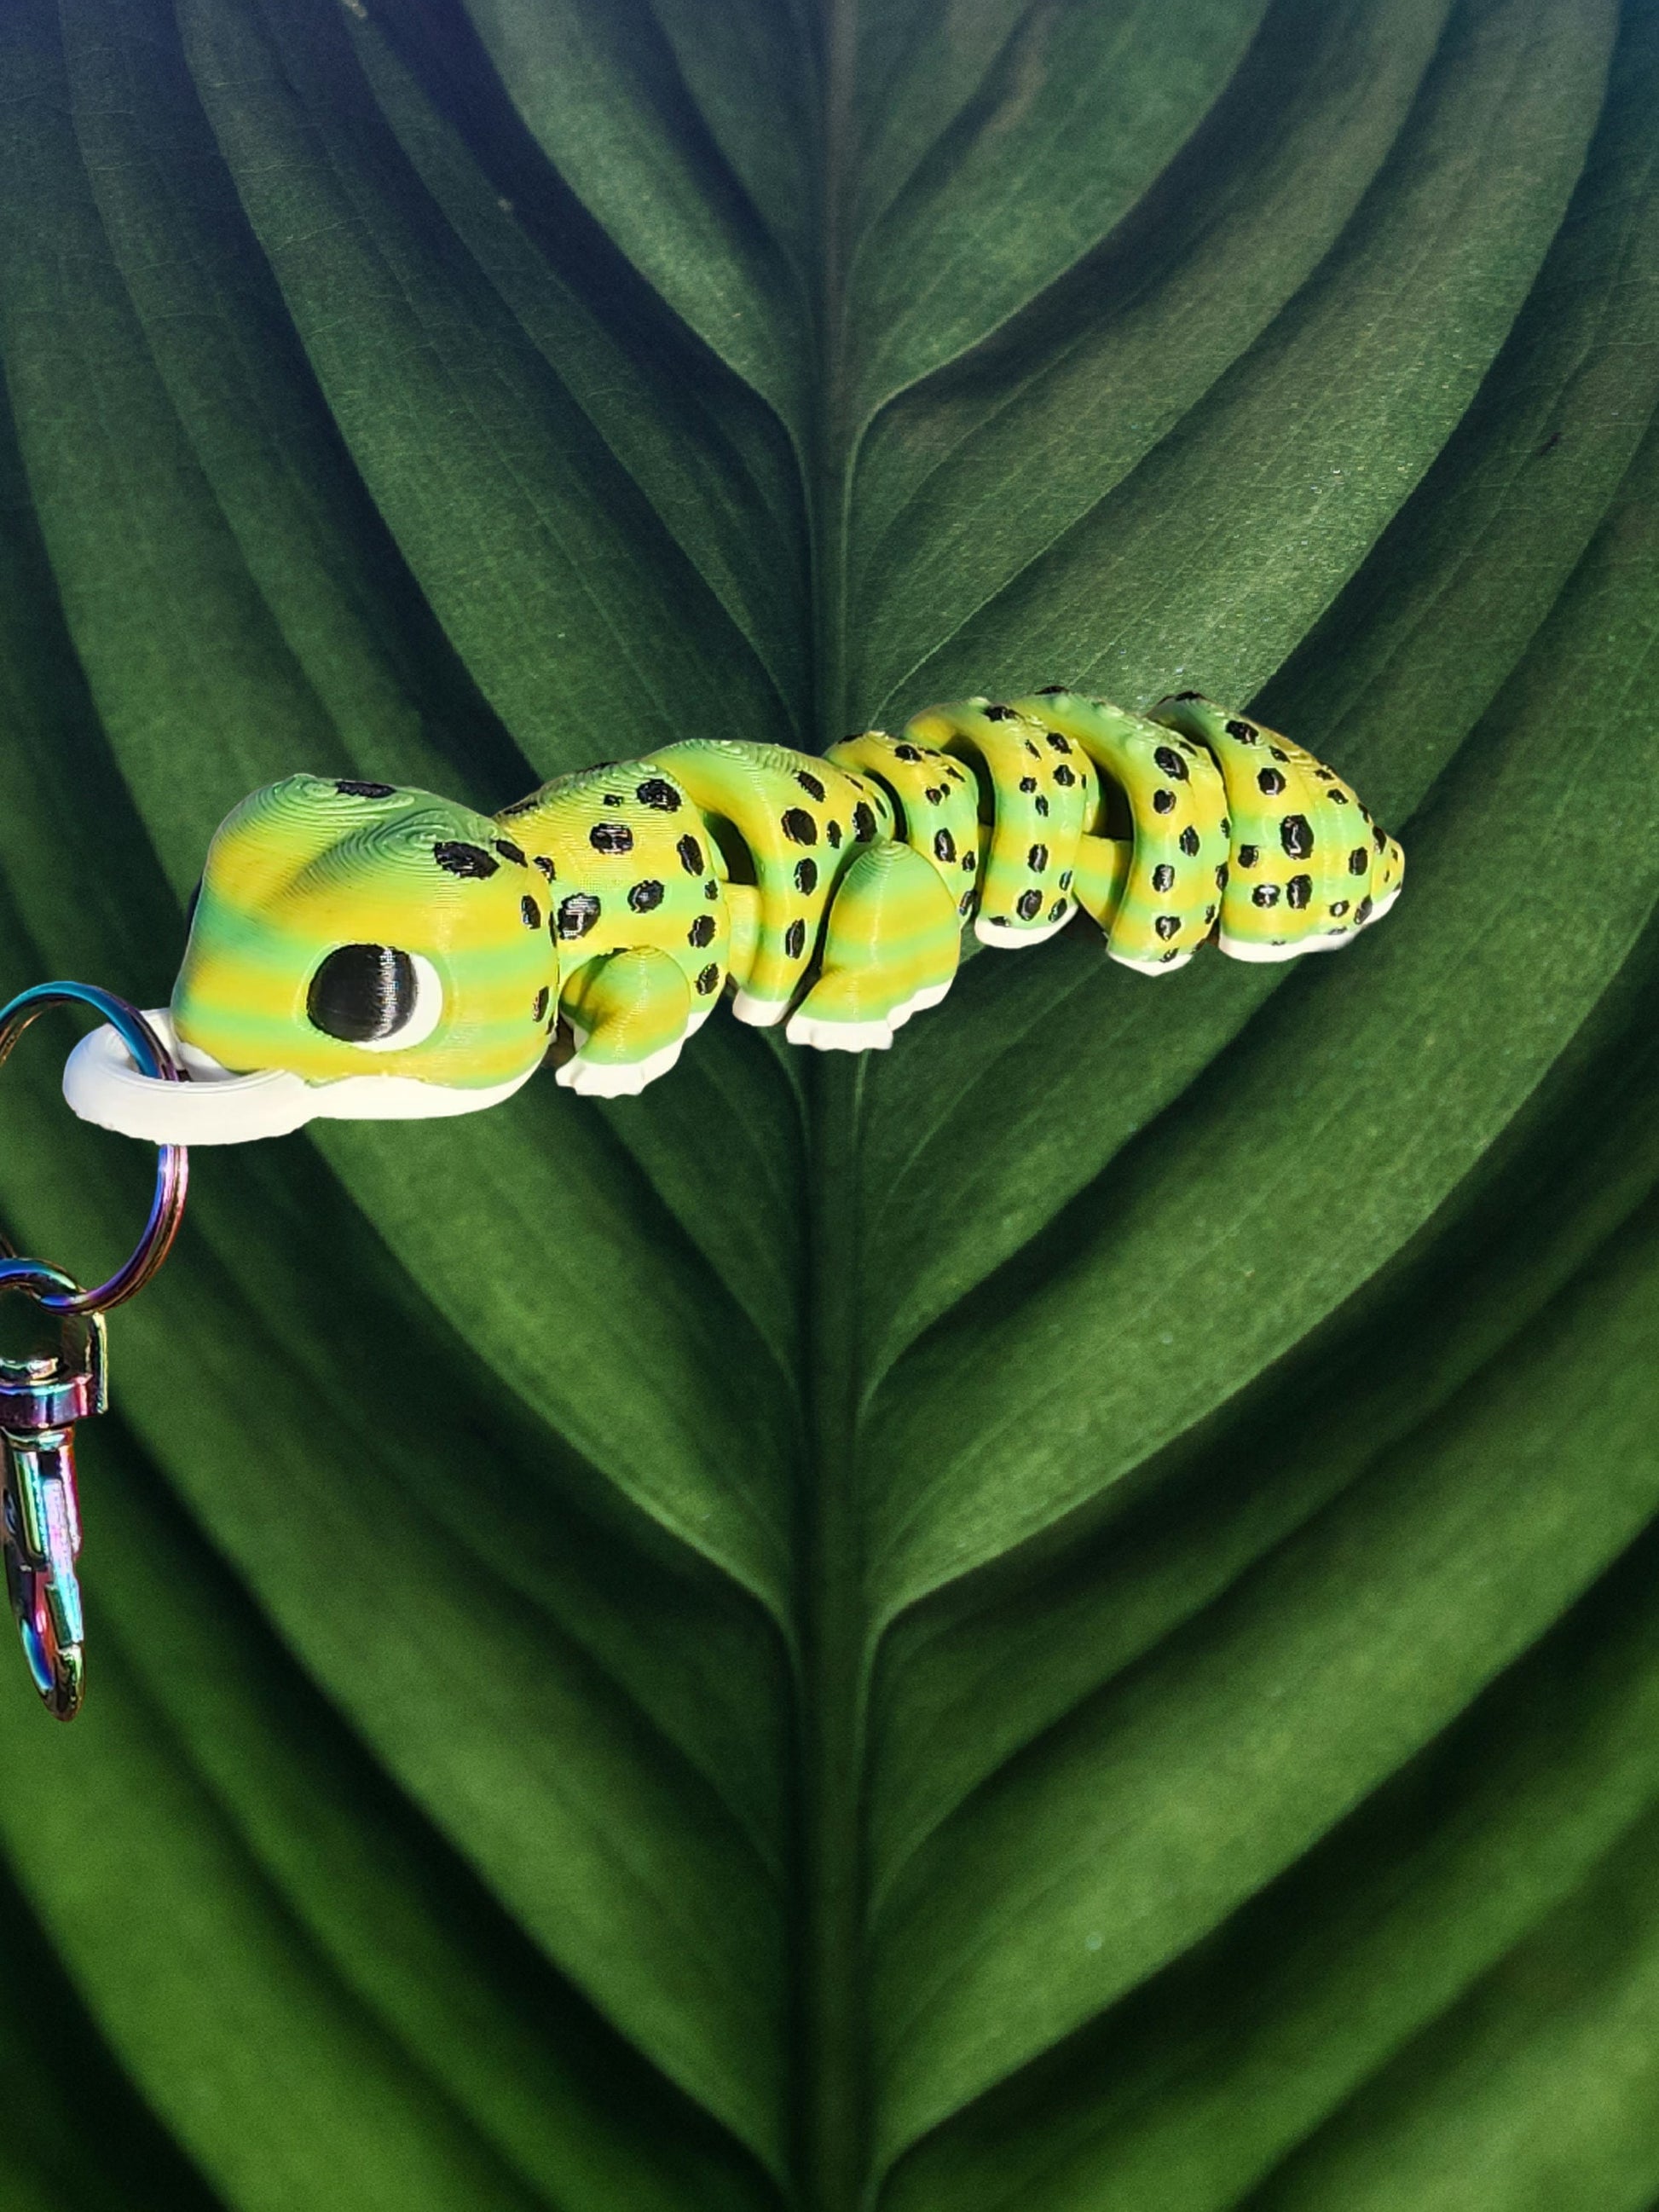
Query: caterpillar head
(349, 929)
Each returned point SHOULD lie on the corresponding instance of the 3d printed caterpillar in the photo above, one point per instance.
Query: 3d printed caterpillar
(360, 951)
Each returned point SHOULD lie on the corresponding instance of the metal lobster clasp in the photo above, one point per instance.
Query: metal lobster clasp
(41, 1397)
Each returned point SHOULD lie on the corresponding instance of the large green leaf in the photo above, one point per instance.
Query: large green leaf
(1062, 1619)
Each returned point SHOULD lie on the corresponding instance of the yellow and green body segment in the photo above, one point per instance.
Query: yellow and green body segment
(345, 928)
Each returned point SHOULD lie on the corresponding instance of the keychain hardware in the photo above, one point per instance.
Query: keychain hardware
(43, 1396)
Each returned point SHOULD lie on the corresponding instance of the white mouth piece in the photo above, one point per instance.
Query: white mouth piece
(103, 1085)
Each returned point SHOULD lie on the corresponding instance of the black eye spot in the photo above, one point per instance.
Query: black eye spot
(806, 877)
(809, 784)
(577, 915)
(798, 826)
(610, 837)
(1164, 878)
(460, 860)
(701, 931)
(530, 911)
(794, 939)
(645, 896)
(709, 980)
(510, 851)
(348, 789)
(361, 993)
(690, 854)
(655, 792)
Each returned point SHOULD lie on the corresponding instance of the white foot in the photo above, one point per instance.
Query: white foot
(617, 1080)
(759, 1013)
(1150, 967)
(839, 1036)
(1014, 937)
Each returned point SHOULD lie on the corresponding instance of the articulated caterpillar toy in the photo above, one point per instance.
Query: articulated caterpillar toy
(361, 952)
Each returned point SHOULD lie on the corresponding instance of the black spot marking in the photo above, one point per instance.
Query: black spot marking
(458, 860)
(794, 939)
(832, 836)
(1298, 892)
(1164, 802)
(798, 826)
(806, 877)
(518, 807)
(1359, 860)
(1164, 877)
(1042, 805)
(809, 784)
(1189, 843)
(538, 1012)
(577, 914)
(1338, 798)
(964, 904)
(864, 823)
(1338, 907)
(1029, 905)
(1381, 836)
(658, 793)
(1032, 749)
(1057, 909)
(1247, 855)
(1277, 754)
(944, 846)
(1242, 731)
(1065, 879)
(934, 795)
(701, 931)
(545, 865)
(361, 993)
(1270, 780)
(614, 799)
(1037, 859)
(709, 980)
(1221, 876)
(906, 752)
(1065, 777)
(1265, 895)
(1362, 913)
(1171, 763)
(971, 861)
(610, 837)
(690, 854)
(645, 896)
(1028, 783)
(1000, 714)
(1209, 913)
(530, 911)
(1296, 836)
(1174, 953)
(711, 890)
(1053, 690)
(348, 788)
(510, 851)
(1168, 926)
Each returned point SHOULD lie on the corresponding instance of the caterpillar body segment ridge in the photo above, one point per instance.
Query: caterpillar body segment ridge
(363, 951)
